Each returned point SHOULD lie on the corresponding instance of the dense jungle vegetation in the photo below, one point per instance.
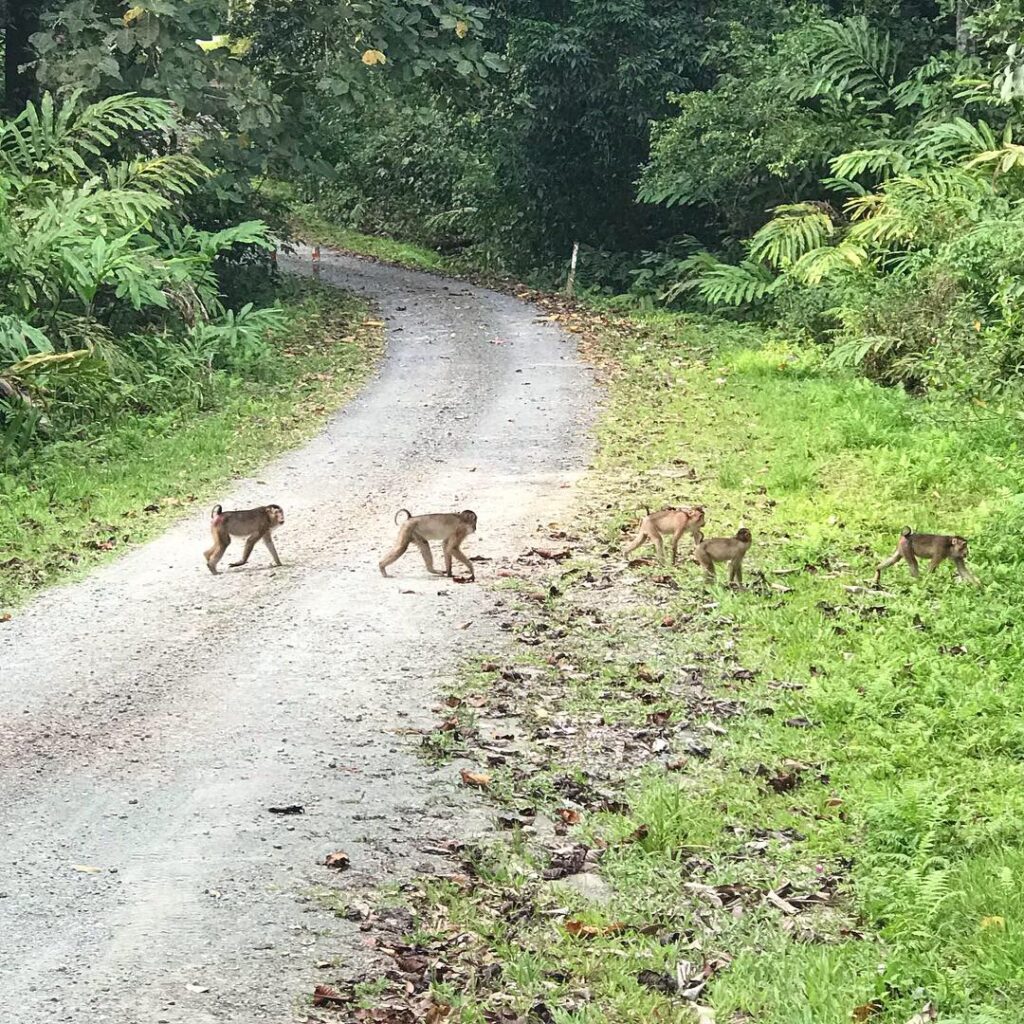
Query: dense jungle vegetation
(801, 233)
(848, 171)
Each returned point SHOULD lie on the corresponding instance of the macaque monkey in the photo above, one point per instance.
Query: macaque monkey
(935, 546)
(252, 523)
(669, 521)
(724, 549)
(452, 528)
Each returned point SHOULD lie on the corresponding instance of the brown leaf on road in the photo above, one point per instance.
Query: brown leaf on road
(554, 556)
(478, 779)
(659, 718)
(324, 995)
(568, 815)
(337, 860)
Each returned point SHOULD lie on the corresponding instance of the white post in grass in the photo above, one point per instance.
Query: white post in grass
(570, 283)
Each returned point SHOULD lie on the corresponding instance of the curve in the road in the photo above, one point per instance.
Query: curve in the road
(150, 714)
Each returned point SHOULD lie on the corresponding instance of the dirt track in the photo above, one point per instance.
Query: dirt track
(151, 714)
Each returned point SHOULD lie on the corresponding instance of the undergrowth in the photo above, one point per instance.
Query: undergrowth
(66, 505)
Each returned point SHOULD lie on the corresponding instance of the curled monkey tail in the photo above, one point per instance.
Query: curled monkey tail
(218, 510)
(906, 531)
(408, 515)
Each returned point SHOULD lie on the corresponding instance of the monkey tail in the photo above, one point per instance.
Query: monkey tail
(906, 531)
(218, 510)
(408, 515)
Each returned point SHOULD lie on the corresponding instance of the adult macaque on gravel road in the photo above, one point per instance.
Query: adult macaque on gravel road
(252, 523)
(451, 528)
(672, 522)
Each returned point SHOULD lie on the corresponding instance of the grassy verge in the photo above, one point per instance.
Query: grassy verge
(75, 503)
(308, 224)
(798, 803)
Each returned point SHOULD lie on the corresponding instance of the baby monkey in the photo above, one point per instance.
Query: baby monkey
(672, 522)
(935, 546)
(252, 523)
(724, 549)
(451, 528)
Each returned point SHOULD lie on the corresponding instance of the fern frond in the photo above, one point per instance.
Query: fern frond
(852, 59)
(829, 261)
(1010, 157)
(879, 160)
(727, 285)
(795, 229)
(51, 140)
(176, 173)
(956, 140)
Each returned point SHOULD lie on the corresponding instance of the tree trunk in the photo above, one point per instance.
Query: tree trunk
(963, 37)
(20, 19)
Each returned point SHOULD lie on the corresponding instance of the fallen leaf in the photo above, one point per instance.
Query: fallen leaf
(324, 995)
(568, 815)
(437, 1013)
(197, 988)
(554, 556)
(6, 617)
(866, 1011)
(288, 809)
(993, 922)
(581, 930)
(338, 860)
(87, 869)
(478, 779)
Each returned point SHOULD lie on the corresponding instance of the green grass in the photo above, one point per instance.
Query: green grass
(910, 801)
(79, 502)
(915, 694)
(309, 225)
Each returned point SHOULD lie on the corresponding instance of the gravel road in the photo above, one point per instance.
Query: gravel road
(151, 714)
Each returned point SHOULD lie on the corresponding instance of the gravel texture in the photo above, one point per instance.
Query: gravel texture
(151, 714)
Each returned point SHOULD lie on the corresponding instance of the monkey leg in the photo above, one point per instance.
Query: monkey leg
(215, 553)
(637, 542)
(962, 571)
(911, 560)
(269, 543)
(428, 557)
(659, 546)
(394, 554)
(736, 572)
(456, 551)
(674, 547)
(250, 543)
(708, 565)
